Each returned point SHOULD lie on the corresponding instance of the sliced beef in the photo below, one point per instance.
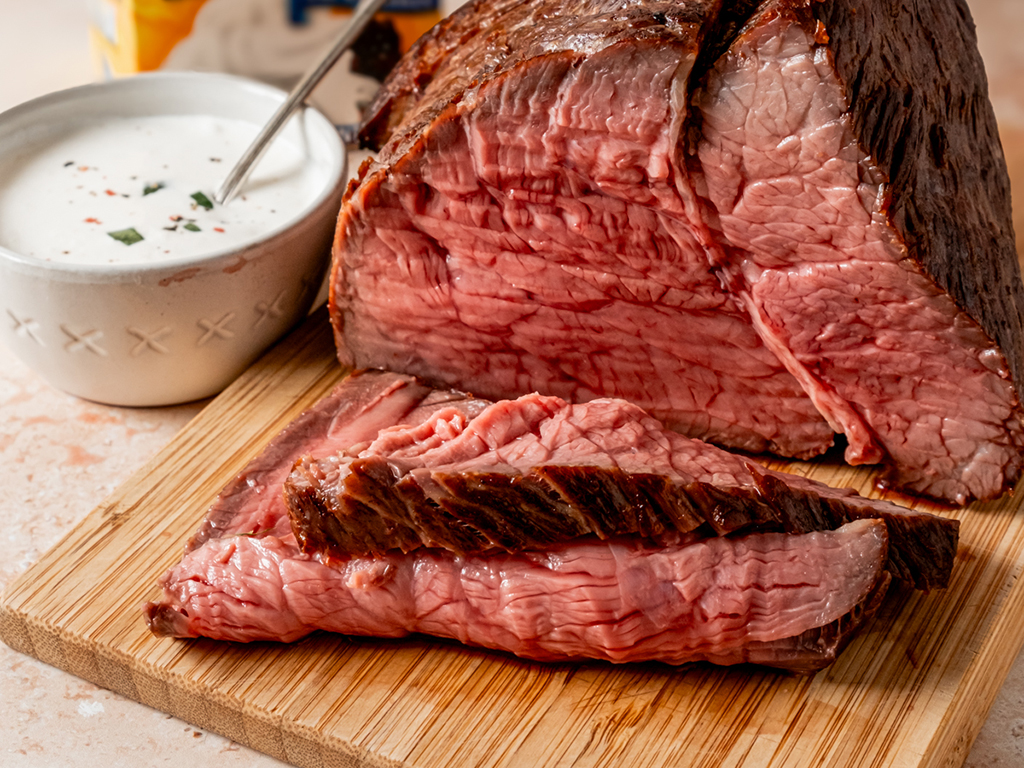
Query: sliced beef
(788, 597)
(762, 222)
(536, 472)
(350, 416)
(757, 598)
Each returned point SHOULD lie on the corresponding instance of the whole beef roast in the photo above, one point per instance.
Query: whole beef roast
(757, 566)
(763, 222)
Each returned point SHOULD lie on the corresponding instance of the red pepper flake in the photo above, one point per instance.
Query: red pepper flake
(111, 192)
(91, 220)
(218, 229)
(176, 218)
(83, 167)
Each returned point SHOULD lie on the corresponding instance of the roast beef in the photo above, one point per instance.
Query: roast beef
(768, 591)
(775, 599)
(764, 223)
(533, 473)
(350, 416)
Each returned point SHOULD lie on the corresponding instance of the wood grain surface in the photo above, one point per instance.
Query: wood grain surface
(912, 690)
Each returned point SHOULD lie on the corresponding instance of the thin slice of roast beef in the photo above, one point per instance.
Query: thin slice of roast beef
(762, 222)
(536, 472)
(675, 597)
(754, 598)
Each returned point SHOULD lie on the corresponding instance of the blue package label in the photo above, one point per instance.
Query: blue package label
(297, 8)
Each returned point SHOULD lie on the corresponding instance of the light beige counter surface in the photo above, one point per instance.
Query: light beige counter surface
(60, 456)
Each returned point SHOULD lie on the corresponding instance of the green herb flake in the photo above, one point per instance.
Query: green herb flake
(149, 189)
(202, 200)
(127, 236)
(192, 227)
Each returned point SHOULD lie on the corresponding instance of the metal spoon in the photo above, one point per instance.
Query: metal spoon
(360, 18)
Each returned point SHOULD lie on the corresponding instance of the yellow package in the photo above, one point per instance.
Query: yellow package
(129, 36)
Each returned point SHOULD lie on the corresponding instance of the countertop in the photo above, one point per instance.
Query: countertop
(60, 456)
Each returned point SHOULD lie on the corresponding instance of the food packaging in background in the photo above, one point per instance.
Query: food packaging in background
(274, 41)
(129, 36)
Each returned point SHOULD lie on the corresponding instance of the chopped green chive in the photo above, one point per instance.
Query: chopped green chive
(151, 188)
(192, 227)
(202, 200)
(126, 236)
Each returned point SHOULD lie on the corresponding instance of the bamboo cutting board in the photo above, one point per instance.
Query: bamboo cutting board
(912, 690)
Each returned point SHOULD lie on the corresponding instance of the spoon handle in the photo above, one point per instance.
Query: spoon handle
(360, 18)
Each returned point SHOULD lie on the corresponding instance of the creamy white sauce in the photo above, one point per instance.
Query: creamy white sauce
(61, 197)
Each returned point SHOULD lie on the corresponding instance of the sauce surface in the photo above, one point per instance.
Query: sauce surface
(139, 190)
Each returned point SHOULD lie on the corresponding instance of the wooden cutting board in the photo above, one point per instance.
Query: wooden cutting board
(912, 690)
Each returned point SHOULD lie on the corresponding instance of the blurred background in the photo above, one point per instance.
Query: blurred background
(50, 44)
(49, 718)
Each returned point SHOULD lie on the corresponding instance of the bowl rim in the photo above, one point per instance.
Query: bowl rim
(122, 271)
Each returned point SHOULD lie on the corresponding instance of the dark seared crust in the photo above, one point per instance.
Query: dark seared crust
(922, 547)
(476, 512)
(408, 79)
(370, 521)
(484, 39)
(920, 106)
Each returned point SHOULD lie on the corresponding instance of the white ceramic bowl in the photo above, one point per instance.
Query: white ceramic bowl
(147, 335)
